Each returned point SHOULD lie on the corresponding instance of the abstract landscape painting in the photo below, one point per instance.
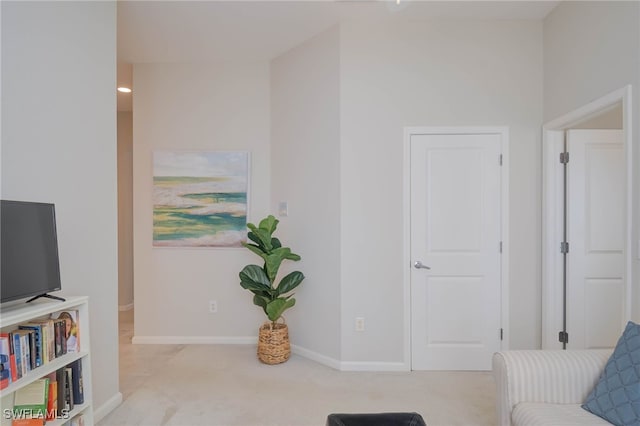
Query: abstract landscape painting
(200, 198)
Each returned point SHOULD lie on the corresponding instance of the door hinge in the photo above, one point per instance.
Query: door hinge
(501, 334)
(500, 246)
(564, 247)
(564, 157)
(563, 337)
(500, 159)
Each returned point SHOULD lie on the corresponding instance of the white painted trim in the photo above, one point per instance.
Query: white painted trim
(195, 340)
(503, 131)
(627, 126)
(298, 350)
(317, 357)
(461, 130)
(565, 122)
(127, 307)
(373, 366)
(506, 246)
(111, 404)
(552, 206)
(406, 244)
(592, 109)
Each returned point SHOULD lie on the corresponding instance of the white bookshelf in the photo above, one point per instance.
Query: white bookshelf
(11, 316)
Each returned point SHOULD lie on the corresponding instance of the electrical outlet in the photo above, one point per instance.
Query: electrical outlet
(359, 324)
(213, 306)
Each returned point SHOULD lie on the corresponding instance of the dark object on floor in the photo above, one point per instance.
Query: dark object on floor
(378, 419)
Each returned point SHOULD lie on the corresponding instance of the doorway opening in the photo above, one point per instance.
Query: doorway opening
(564, 314)
(125, 190)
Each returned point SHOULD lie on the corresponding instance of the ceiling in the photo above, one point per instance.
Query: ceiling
(247, 31)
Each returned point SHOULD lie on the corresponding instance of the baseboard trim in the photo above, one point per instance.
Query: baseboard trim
(126, 307)
(348, 366)
(373, 366)
(195, 340)
(111, 404)
(315, 356)
(253, 340)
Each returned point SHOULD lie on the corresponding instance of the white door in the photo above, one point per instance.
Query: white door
(455, 231)
(595, 232)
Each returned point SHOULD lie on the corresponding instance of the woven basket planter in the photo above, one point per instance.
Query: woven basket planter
(273, 343)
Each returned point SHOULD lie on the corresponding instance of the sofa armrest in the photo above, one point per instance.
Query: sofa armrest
(549, 376)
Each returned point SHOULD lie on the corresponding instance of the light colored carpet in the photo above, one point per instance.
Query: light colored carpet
(226, 385)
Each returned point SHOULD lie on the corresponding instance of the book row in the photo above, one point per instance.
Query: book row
(50, 397)
(36, 343)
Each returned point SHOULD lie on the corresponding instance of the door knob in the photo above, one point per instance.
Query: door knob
(420, 265)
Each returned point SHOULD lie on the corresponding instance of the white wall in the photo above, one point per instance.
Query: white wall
(590, 50)
(305, 153)
(125, 209)
(608, 120)
(391, 75)
(59, 145)
(458, 73)
(207, 108)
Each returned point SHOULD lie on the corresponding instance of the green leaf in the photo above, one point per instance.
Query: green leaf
(274, 260)
(262, 302)
(276, 307)
(253, 237)
(253, 277)
(265, 239)
(252, 287)
(257, 250)
(289, 282)
(275, 243)
(262, 292)
(293, 256)
(269, 224)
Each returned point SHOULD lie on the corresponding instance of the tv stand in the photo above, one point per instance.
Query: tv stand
(47, 296)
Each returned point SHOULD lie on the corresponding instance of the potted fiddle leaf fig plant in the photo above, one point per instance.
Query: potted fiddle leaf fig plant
(273, 296)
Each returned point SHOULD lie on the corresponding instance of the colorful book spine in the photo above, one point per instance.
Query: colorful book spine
(59, 326)
(17, 350)
(52, 402)
(48, 341)
(5, 350)
(68, 388)
(5, 371)
(37, 336)
(61, 378)
(78, 387)
(25, 350)
(31, 356)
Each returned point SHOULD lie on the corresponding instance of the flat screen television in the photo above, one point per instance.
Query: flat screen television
(29, 262)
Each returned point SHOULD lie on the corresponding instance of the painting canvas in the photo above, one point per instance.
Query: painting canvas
(200, 198)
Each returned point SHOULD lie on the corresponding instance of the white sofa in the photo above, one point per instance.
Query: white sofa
(544, 387)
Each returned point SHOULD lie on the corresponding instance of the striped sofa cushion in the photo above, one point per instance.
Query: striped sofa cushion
(561, 377)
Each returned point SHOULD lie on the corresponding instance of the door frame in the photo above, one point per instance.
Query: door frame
(552, 175)
(503, 131)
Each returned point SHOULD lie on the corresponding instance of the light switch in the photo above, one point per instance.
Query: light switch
(283, 209)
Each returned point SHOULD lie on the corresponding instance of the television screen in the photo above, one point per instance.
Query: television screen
(29, 264)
